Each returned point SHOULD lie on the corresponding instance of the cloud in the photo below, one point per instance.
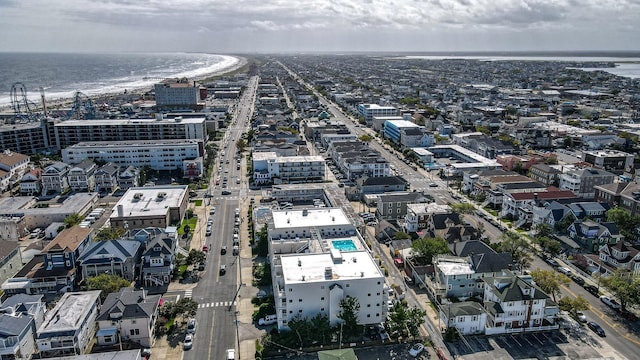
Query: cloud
(264, 23)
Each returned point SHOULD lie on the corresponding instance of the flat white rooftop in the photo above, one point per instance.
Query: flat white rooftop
(112, 122)
(150, 201)
(262, 156)
(299, 268)
(69, 311)
(606, 153)
(136, 143)
(455, 268)
(379, 107)
(476, 159)
(309, 218)
(302, 158)
(403, 124)
(429, 208)
(421, 151)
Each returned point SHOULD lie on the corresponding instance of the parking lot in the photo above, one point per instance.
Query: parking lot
(527, 346)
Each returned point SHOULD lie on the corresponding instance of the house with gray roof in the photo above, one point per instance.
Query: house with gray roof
(469, 317)
(591, 235)
(106, 178)
(17, 336)
(115, 257)
(158, 260)
(393, 206)
(514, 303)
(31, 305)
(129, 314)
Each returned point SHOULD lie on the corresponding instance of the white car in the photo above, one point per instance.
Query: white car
(610, 302)
(581, 317)
(188, 341)
(416, 349)
(231, 354)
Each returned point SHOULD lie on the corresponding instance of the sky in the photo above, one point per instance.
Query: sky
(272, 26)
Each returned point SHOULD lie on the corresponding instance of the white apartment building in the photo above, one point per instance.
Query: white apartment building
(268, 167)
(158, 154)
(69, 327)
(309, 284)
(317, 259)
(72, 132)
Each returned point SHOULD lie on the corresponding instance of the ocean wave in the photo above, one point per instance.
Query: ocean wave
(212, 64)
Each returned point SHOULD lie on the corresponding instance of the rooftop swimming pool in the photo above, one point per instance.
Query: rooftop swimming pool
(344, 245)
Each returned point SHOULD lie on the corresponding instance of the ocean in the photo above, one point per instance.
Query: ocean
(62, 74)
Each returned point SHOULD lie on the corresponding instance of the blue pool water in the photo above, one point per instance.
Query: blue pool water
(344, 245)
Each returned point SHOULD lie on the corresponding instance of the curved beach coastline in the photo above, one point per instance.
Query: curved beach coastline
(227, 64)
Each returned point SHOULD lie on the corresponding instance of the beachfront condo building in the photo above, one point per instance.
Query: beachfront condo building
(71, 132)
(179, 94)
(158, 155)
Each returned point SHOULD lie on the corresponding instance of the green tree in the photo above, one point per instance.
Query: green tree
(349, 309)
(550, 281)
(548, 245)
(110, 233)
(425, 249)
(626, 222)
(405, 321)
(185, 307)
(72, 220)
(563, 225)
(321, 328)
(519, 248)
(624, 286)
(573, 305)
(365, 138)
(299, 326)
(462, 208)
(262, 248)
(186, 229)
(241, 144)
(543, 230)
(107, 283)
(401, 235)
(195, 257)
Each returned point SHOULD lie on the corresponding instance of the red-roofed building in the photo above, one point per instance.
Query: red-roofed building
(518, 206)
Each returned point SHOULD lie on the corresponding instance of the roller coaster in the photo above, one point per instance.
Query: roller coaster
(83, 107)
(21, 105)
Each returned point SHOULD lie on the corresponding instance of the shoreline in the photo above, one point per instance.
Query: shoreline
(53, 103)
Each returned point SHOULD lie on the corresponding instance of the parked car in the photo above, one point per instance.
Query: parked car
(416, 349)
(610, 302)
(191, 326)
(578, 280)
(268, 320)
(592, 290)
(188, 341)
(580, 316)
(223, 269)
(226, 192)
(596, 328)
(564, 270)
(231, 354)
(201, 266)
(552, 262)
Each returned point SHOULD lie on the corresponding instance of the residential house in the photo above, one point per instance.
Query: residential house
(515, 304)
(15, 164)
(438, 224)
(128, 315)
(10, 259)
(106, 178)
(582, 181)
(17, 334)
(115, 257)
(82, 176)
(379, 185)
(54, 178)
(419, 215)
(13, 228)
(55, 270)
(517, 206)
(620, 256)
(393, 206)
(31, 182)
(31, 305)
(70, 326)
(128, 178)
(158, 260)
(610, 193)
(592, 235)
(468, 317)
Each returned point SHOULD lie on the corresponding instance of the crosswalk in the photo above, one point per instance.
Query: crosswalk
(188, 293)
(217, 304)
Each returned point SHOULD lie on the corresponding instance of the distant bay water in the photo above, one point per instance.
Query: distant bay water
(626, 66)
(61, 75)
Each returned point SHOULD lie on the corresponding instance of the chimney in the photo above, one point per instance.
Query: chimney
(120, 211)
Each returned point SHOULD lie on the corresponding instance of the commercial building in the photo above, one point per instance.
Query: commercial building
(70, 326)
(469, 159)
(179, 94)
(155, 206)
(582, 181)
(22, 206)
(378, 122)
(368, 111)
(157, 154)
(72, 132)
(614, 161)
(29, 138)
(407, 134)
(268, 167)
